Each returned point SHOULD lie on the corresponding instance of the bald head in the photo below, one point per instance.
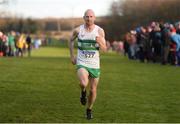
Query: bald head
(89, 17)
(89, 11)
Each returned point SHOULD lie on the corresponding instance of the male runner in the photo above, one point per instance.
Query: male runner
(91, 38)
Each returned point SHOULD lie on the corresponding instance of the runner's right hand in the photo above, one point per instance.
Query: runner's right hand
(73, 60)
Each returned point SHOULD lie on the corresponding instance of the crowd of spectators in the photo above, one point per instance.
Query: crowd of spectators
(156, 42)
(15, 44)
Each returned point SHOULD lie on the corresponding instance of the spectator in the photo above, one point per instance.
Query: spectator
(28, 42)
(165, 42)
(1, 44)
(11, 43)
(176, 38)
(20, 45)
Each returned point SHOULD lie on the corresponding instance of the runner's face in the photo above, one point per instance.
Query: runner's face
(89, 18)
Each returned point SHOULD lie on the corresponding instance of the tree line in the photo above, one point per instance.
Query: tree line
(123, 16)
(128, 14)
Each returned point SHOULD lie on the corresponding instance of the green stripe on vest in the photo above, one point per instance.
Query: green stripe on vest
(87, 41)
(83, 48)
(87, 45)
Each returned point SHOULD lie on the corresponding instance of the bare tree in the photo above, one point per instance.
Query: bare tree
(3, 4)
(3, 1)
(129, 14)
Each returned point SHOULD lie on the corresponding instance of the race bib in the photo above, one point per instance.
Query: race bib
(88, 54)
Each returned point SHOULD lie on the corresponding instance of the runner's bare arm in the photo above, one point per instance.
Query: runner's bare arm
(101, 40)
(71, 45)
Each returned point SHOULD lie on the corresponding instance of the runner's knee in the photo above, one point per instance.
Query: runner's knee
(93, 90)
(83, 82)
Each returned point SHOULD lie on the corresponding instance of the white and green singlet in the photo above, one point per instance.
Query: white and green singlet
(88, 51)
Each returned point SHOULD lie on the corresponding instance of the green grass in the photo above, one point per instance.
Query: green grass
(44, 88)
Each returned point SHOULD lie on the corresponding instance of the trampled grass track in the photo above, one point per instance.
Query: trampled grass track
(44, 88)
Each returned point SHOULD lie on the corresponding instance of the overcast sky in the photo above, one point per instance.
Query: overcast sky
(58, 8)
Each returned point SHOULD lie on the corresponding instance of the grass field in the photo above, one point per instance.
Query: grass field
(44, 88)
